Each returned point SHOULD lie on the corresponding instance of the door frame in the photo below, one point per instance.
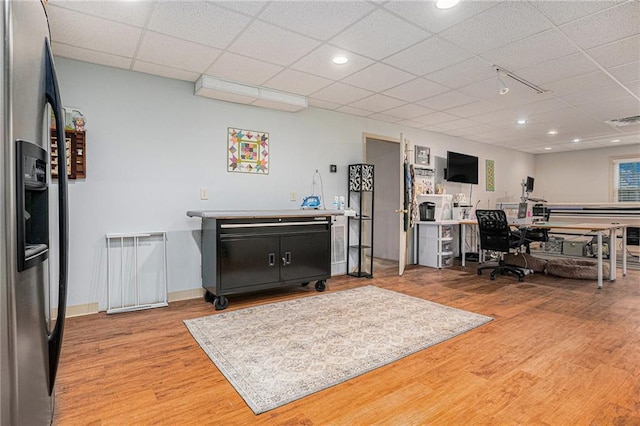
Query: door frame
(390, 139)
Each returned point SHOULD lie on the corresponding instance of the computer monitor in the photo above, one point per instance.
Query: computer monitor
(529, 184)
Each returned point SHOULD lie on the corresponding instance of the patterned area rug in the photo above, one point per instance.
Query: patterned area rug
(279, 352)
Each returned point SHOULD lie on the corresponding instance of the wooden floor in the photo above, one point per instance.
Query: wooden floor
(559, 352)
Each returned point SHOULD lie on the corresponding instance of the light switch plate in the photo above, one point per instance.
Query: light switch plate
(204, 193)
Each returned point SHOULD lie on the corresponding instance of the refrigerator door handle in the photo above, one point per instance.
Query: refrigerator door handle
(53, 98)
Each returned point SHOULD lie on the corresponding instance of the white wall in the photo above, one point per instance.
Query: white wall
(152, 144)
(577, 176)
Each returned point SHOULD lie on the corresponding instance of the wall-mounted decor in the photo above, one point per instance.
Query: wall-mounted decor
(248, 151)
(423, 155)
(491, 175)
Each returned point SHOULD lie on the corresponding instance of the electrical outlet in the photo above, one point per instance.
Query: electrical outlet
(293, 196)
(204, 193)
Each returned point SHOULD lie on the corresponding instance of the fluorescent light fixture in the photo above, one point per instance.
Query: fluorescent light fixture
(502, 87)
(522, 121)
(552, 132)
(340, 60)
(504, 73)
(576, 140)
(208, 83)
(548, 148)
(446, 4)
(615, 140)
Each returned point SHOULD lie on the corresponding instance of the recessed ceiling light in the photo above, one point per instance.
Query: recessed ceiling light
(522, 121)
(576, 140)
(446, 4)
(340, 60)
(615, 140)
(552, 132)
(548, 148)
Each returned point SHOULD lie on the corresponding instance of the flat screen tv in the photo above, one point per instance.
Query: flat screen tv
(462, 168)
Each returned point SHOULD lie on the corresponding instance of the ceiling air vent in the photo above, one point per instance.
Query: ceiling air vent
(627, 121)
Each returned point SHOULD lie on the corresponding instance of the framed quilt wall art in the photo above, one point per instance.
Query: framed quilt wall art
(247, 151)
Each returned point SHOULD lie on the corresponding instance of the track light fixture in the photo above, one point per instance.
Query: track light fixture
(503, 87)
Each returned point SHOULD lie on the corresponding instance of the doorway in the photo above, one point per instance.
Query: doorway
(383, 153)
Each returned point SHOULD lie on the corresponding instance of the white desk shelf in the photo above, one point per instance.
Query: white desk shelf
(435, 243)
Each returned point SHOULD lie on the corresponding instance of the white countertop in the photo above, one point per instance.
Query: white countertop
(254, 214)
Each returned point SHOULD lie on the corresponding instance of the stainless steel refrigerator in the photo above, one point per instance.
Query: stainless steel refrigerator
(32, 303)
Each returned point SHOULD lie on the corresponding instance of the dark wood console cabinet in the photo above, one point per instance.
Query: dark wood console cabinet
(243, 254)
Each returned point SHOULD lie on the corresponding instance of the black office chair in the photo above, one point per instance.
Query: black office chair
(495, 235)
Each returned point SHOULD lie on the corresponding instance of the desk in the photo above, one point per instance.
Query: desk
(599, 229)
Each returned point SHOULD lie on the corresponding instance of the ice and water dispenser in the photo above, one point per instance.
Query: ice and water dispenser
(32, 204)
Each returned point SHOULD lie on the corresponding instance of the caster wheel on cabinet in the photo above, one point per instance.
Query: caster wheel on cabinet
(208, 297)
(321, 285)
(220, 303)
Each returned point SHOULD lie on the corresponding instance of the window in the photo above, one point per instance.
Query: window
(626, 180)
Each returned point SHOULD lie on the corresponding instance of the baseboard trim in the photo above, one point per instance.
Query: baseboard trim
(195, 293)
(78, 310)
(93, 308)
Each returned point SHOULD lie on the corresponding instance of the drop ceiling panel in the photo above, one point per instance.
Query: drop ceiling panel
(353, 111)
(410, 123)
(91, 56)
(341, 93)
(272, 44)
(377, 103)
(533, 50)
(88, 32)
(199, 22)
(297, 82)
(457, 124)
(561, 12)
(627, 72)
(618, 52)
(322, 104)
(384, 117)
(447, 100)
(409, 111)
(319, 62)
(378, 77)
(474, 108)
(435, 118)
(415, 90)
(614, 23)
(463, 73)
(171, 52)
(582, 83)
(432, 19)
(165, 71)
(242, 69)
(611, 93)
(498, 26)
(318, 19)
(559, 69)
(132, 13)
(379, 35)
(248, 7)
(430, 55)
